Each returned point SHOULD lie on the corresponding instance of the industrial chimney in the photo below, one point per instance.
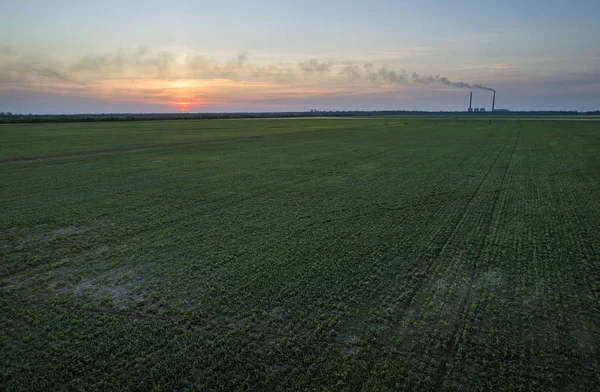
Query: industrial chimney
(471, 103)
(494, 101)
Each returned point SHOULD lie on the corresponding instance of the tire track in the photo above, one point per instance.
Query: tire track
(463, 214)
(125, 149)
(451, 343)
(377, 346)
(150, 147)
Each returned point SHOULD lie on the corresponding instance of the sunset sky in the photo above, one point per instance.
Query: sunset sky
(223, 56)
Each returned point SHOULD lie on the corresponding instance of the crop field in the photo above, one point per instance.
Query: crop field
(307, 254)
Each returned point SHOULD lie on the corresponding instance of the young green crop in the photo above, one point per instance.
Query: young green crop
(338, 254)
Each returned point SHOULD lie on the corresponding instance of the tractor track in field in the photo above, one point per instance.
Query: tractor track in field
(463, 213)
(444, 356)
(127, 149)
(149, 147)
(450, 350)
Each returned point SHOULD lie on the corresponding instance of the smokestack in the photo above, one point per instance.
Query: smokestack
(494, 101)
(471, 102)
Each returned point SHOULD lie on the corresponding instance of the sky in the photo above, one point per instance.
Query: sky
(255, 56)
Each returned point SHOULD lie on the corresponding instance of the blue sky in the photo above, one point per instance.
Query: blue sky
(129, 56)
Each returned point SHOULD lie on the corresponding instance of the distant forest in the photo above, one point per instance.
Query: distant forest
(7, 117)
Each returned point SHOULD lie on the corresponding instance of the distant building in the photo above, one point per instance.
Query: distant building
(482, 109)
(476, 109)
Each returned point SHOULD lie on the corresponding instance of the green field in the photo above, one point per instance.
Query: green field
(315, 254)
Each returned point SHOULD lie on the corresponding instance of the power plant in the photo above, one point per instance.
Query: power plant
(479, 110)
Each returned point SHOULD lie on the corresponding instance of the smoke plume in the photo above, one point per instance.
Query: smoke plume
(22, 71)
(165, 65)
(314, 66)
(447, 82)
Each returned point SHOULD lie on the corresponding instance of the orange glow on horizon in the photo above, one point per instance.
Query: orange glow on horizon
(190, 95)
(183, 94)
(179, 104)
(182, 106)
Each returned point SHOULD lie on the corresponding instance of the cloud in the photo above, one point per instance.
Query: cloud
(143, 64)
(89, 68)
(162, 77)
(313, 66)
(206, 67)
(350, 70)
(391, 76)
(45, 72)
(372, 73)
(202, 63)
(277, 71)
(119, 62)
(35, 69)
(238, 68)
(101, 64)
(238, 62)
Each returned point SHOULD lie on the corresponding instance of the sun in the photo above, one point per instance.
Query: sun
(182, 106)
(183, 95)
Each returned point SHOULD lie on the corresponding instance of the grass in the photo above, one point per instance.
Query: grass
(380, 254)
